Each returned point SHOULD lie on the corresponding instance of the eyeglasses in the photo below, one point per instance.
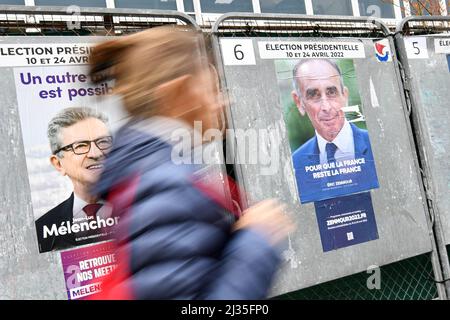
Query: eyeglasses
(83, 147)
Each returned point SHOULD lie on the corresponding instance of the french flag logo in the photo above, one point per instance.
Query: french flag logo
(382, 51)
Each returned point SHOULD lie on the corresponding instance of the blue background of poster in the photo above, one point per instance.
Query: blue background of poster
(346, 234)
(448, 62)
(334, 185)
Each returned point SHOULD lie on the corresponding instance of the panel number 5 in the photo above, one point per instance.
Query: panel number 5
(416, 47)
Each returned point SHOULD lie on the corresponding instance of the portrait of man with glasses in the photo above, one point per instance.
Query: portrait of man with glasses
(338, 159)
(79, 140)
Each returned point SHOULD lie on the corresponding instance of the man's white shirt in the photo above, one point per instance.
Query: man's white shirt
(344, 142)
(79, 215)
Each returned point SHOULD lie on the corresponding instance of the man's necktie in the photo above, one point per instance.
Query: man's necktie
(330, 148)
(92, 209)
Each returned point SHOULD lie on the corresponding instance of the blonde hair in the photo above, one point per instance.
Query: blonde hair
(142, 61)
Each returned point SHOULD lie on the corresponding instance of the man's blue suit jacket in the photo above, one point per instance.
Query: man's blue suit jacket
(314, 189)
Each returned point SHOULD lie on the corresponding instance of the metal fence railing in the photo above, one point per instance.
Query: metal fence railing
(298, 25)
(44, 21)
(424, 25)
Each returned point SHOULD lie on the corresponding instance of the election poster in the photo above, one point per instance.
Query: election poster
(346, 221)
(67, 125)
(86, 268)
(327, 132)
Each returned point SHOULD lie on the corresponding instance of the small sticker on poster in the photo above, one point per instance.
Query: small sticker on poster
(346, 221)
(85, 268)
(383, 51)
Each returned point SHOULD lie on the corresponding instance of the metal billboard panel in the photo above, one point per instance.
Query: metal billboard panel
(398, 203)
(423, 45)
(430, 82)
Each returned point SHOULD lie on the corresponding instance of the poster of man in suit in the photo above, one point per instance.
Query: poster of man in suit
(331, 151)
(67, 130)
(79, 140)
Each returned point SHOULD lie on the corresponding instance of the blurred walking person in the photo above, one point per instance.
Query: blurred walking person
(177, 239)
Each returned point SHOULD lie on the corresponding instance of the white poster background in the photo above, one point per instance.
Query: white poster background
(442, 45)
(48, 54)
(310, 49)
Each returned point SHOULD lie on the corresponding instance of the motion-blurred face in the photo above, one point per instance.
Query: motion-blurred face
(83, 169)
(321, 97)
(206, 100)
